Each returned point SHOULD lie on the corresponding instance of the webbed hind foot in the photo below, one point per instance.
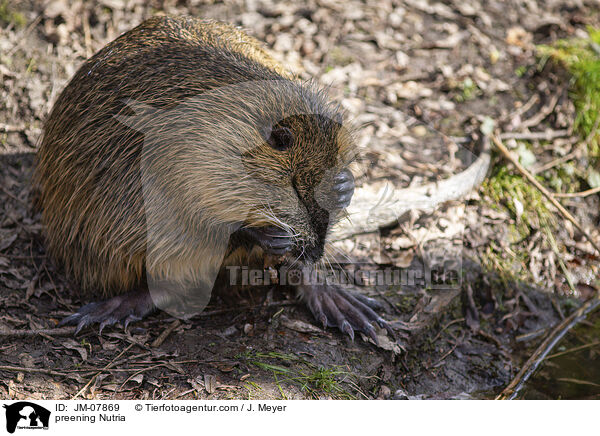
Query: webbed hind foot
(125, 308)
(348, 311)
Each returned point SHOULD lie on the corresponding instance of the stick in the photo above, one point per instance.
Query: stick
(573, 350)
(573, 153)
(33, 370)
(165, 334)
(543, 113)
(547, 135)
(9, 128)
(580, 194)
(564, 212)
(556, 162)
(63, 331)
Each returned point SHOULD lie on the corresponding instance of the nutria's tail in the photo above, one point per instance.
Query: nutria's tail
(373, 207)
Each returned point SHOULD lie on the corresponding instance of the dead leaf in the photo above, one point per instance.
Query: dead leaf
(210, 383)
(299, 326)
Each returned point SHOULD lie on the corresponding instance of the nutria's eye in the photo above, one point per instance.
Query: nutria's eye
(280, 138)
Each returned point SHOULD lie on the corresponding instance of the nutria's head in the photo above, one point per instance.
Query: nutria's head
(255, 154)
(296, 165)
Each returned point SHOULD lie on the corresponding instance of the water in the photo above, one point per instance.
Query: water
(574, 374)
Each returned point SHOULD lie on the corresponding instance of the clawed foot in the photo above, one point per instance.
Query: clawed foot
(125, 308)
(348, 311)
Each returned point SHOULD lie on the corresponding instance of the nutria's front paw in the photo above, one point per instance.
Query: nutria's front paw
(125, 308)
(343, 189)
(336, 307)
(336, 192)
(273, 240)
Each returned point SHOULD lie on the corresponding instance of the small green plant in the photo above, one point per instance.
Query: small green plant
(468, 90)
(520, 71)
(289, 368)
(509, 191)
(9, 16)
(581, 58)
(521, 198)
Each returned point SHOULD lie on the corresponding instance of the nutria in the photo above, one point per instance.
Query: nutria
(253, 117)
(181, 148)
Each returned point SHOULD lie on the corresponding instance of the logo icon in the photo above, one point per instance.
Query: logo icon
(26, 415)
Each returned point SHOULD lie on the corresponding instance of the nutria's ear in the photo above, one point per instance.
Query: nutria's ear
(280, 138)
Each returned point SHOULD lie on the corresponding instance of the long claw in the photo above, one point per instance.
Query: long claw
(123, 308)
(347, 328)
(388, 328)
(372, 334)
(81, 324)
(350, 312)
(131, 318)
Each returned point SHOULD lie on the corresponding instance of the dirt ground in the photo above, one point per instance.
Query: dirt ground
(449, 64)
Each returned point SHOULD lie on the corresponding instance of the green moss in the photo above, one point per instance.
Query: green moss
(581, 58)
(9, 16)
(529, 209)
(468, 90)
(314, 380)
(520, 71)
(506, 189)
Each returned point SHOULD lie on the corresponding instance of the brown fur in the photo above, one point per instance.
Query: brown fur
(96, 174)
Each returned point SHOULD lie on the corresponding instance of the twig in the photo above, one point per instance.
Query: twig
(530, 335)
(63, 331)
(111, 363)
(189, 391)
(579, 194)
(572, 154)
(165, 334)
(441, 359)
(139, 371)
(33, 370)
(564, 212)
(243, 307)
(528, 105)
(149, 368)
(558, 161)
(454, 321)
(573, 350)
(563, 267)
(577, 381)
(557, 333)
(548, 135)
(558, 309)
(87, 34)
(23, 36)
(9, 128)
(543, 113)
